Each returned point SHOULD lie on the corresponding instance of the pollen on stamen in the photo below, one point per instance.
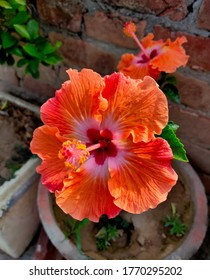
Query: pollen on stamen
(129, 29)
(74, 152)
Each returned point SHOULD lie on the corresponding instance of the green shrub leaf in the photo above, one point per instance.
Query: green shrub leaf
(7, 40)
(171, 92)
(32, 68)
(31, 50)
(16, 51)
(3, 56)
(48, 48)
(5, 4)
(20, 18)
(10, 60)
(52, 59)
(22, 62)
(21, 2)
(168, 133)
(22, 31)
(33, 28)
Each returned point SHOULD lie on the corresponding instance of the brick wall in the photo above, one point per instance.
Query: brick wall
(91, 35)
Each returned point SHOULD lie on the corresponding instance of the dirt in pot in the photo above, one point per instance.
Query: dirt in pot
(16, 125)
(147, 236)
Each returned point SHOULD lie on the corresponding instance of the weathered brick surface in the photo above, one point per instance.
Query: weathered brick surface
(174, 9)
(197, 47)
(194, 127)
(63, 13)
(8, 75)
(198, 156)
(85, 54)
(194, 92)
(109, 29)
(204, 15)
(44, 87)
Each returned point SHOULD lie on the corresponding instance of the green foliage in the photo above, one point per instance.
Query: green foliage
(169, 134)
(173, 222)
(110, 230)
(20, 36)
(74, 229)
(105, 235)
(167, 84)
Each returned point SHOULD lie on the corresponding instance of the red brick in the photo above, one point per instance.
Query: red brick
(197, 47)
(194, 126)
(203, 16)
(174, 9)
(193, 92)
(110, 29)
(85, 54)
(63, 13)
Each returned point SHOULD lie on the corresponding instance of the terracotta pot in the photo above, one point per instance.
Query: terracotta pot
(19, 217)
(185, 249)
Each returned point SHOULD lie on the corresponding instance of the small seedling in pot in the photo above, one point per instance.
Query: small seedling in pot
(75, 227)
(174, 223)
(105, 235)
(110, 230)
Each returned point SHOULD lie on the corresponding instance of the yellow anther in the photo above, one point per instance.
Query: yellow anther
(129, 29)
(74, 152)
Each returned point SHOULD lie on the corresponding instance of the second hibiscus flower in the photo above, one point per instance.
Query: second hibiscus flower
(154, 57)
(98, 147)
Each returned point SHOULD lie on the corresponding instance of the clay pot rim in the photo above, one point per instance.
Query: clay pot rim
(187, 248)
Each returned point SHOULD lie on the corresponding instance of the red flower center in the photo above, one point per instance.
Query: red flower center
(145, 59)
(107, 147)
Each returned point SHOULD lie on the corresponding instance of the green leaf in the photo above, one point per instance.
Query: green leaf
(10, 60)
(29, 70)
(21, 2)
(171, 92)
(177, 147)
(48, 48)
(22, 62)
(3, 56)
(81, 224)
(173, 126)
(34, 65)
(32, 50)
(52, 59)
(171, 80)
(33, 28)
(20, 18)
(16, 51)
(5, 4)
(22, 31)
(8, 40)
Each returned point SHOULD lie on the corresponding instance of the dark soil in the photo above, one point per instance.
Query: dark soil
(16, 126)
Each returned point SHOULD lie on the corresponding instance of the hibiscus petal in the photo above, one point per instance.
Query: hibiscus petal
(139, 107)
(129, 66)
(171, 56)
(46, 143)
(86, 194)
(144, 178)
(79, 99)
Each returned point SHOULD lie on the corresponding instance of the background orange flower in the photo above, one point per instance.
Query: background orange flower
(155, 56)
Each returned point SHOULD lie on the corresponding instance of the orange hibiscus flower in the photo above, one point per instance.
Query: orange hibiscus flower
(155, 56)
(97, 145)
